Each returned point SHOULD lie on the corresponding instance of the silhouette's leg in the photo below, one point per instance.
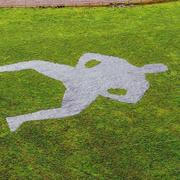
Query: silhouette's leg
(133, 95)
(73, 103)
(15, 122)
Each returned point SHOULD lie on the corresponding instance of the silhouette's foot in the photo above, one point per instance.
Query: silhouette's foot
(13, 123)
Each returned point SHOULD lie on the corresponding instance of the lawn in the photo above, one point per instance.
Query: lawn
(108, 140)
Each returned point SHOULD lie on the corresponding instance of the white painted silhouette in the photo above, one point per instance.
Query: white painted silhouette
(84, 85)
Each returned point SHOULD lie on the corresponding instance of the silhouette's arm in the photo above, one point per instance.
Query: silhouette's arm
(133, 95)
(24, 65)
(122, 98)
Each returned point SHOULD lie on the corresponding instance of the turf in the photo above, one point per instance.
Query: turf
(117, 91)
(108, 140)
(92, 63)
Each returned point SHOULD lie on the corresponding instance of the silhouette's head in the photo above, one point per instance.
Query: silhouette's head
(87, 58)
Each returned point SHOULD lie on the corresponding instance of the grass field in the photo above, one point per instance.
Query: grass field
(108, 140)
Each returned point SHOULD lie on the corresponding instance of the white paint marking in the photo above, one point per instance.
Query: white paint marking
(84, 85)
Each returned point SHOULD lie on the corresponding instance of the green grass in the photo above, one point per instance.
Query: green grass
(108, 140)
(92, 63)
(117, 91)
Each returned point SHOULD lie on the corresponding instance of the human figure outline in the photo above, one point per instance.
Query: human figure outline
(84, 85)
